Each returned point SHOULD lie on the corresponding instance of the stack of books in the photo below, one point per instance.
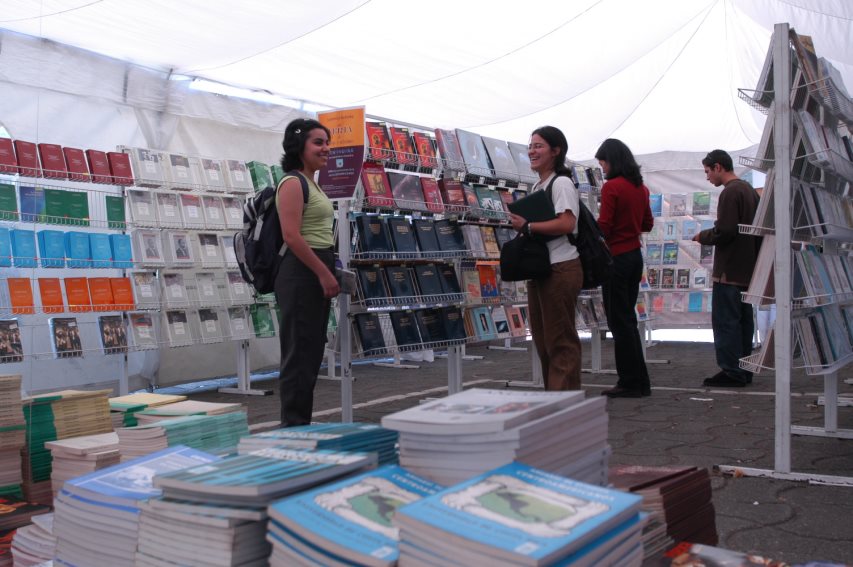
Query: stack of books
(213, 433)
(520, 515)
(347, 521)
(34, 544)
(361, 437)
(452, 439)
(12, 435)
(678, 497)
(184, 408)
(15, 512)
(54, 416)
(216, 513)
(81, 455)
(96, 516)
(124, 408)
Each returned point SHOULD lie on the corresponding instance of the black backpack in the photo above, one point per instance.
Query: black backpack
(259, 247)
(594, 254)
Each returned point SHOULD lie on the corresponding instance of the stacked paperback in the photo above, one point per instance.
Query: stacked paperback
(520, 515)
(452, 439)
(212, 433)
(81, 455)
(349, 521)
(96, 516)
(124, 408)
(184, 408)
(34, 544)
(12, 435)
(360, 437)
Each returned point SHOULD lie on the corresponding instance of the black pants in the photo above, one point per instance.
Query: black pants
(733, 326)
(620, 298)
(304, 320)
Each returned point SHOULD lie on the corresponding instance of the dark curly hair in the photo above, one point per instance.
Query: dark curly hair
(621, 161)
(295, 136)
(555, 138)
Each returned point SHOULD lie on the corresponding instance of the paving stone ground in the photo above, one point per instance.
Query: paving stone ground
(681, 423)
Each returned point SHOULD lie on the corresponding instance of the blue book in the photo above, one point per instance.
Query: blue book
(670, 253)
(5, 248)
(102, 254)
(23, 248)
(653, 254)
(131, 481)
(352, 518)
(365, 437)
(694, 302)
(121, 251)
(705, 224)
(77, 249)
(656, 204)
(32, 204)
(689, 228)
(484, 325)
(52, 248)
(519, 514)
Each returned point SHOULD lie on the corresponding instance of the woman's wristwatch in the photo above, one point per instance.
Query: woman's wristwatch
(526, 229)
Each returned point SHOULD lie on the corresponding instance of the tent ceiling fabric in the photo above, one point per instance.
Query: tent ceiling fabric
(659, 74)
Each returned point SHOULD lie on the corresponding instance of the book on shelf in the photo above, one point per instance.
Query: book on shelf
(122, 293)
(405, 328)
(656, 204)
(430, 325)
(99, 166)
(406, 189)
(8, 202)
(671, 229)
(143, 208)
(120, 170)
(11, 347)
(121, 251)
(487, 273)
(50, 294)
(32, 204)
(506, 197)
(489, 200)
(77, 294)
(174, 293)
(211, 251)
(146, 290)
(402, 236)
(101, 294)
(474, 154)
(678, 302)
(373, 234)
(667, 278)
(143, 331)
(706, 254)
(113, 334)
(431, 194)
(207, 290)
(149, 248)
(425, 147)
(522, 163)
(490, 241)
(214, 212)
(233, 212)
(484, 325)
(178, 247)
(472, 202)
(78, 252)
(210, 326)
(8, 161)
(65, 337)
(474, 240)
(52, 161)
(371, 285)
(27, 156)
(449, 235)
(378, 141)
(453, 322)
(147, 167)
(677, 204)
(262, 320)
(515, 321)
(501, 159)
(100, 250)
(377, 188)
(192, 215)
(181, 176)
(20, 297)
(403, 148)
(701, 203)
(369, 329)
(654, 254)
(51, 246)
(400, 283)
(425, 235)
(261, 175)
(5, 247)
(428, 280)
(682, 278)
(238, 323)
(653, 276)
(471, 283)
(670, 253)
(237, 177)
(452, 194)
(689, 229)
(23, 248)
(177, 328)
(66, 207)
(694, 302)
(213, 175)
(451, 152)
(277, 173)
(238, 291)
(501, 320)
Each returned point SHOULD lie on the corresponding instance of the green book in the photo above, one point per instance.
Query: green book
(78, 207)
(262, 321)
(261, 176)
(277, 174)
(115, 212)
(56, 206)
(8, 202)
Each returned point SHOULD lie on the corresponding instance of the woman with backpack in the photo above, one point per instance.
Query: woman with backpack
(552, 300)
(625, 214)
(305, 283)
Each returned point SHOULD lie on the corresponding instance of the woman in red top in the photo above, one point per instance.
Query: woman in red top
(625, 213)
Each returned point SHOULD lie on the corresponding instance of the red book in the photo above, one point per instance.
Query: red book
(8, 161)
(21, 296)
(52, 161)
(28, 160)
(101, 294)
(51, 295)
(379, 145)
(120, 168)
(452, 193)
(75, 159)
(122, 293)
(426, 149)
(403, 146)
(377, 188)
(77, 292)
(99, 166)
(432, 195)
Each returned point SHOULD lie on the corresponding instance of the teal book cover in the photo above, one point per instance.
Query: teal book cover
(51, 248)
(5, 248)
(102, 255)
(23, 248)
(77, 250)
(122, 251)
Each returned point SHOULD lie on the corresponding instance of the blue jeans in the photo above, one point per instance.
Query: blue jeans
(733, 327)
(620, 297)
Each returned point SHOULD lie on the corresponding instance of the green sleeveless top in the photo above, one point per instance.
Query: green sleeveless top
(317, 216)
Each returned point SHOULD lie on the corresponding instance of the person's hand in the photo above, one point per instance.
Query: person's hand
(330, 284)
(696, 237)
(517, 221)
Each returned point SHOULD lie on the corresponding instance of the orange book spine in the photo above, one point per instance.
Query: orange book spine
(21, 296)
(101, 294)
(122, 293)
(77, 292)
(51, 295)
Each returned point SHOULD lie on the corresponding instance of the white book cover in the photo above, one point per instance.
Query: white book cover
(213, 174)
(191, 210)
(227, 242)
(210, 326)
(168, 210)
(214, 212)
(237, 177)
(146, 290)
(174, 290)
(147, 167)
(178, 328)
(233, 212)
(238, 324)
(501, 321)
(478, 411)
(148, 248)
(207, 290)
(142, 208)
(181, 175)
(142, 326)
(239, 292)
(179, 249)
(210, 252)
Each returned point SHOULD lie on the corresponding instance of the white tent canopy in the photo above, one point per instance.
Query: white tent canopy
(658, 74)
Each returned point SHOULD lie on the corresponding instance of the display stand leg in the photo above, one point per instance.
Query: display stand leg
(506, 346)
(536, 371)
(124, 378)
(243, 374)
(454, 369)
(470, 356)
(595, 355)
(645, 345)
(331, 361)
(344, 331)
(831, 401)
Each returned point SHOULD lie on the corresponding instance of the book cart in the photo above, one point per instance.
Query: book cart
(806, 223)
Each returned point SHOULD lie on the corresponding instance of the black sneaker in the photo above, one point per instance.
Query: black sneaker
(721, 379)
(618, 392)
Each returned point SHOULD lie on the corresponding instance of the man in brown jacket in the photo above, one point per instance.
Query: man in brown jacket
(734, 260)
